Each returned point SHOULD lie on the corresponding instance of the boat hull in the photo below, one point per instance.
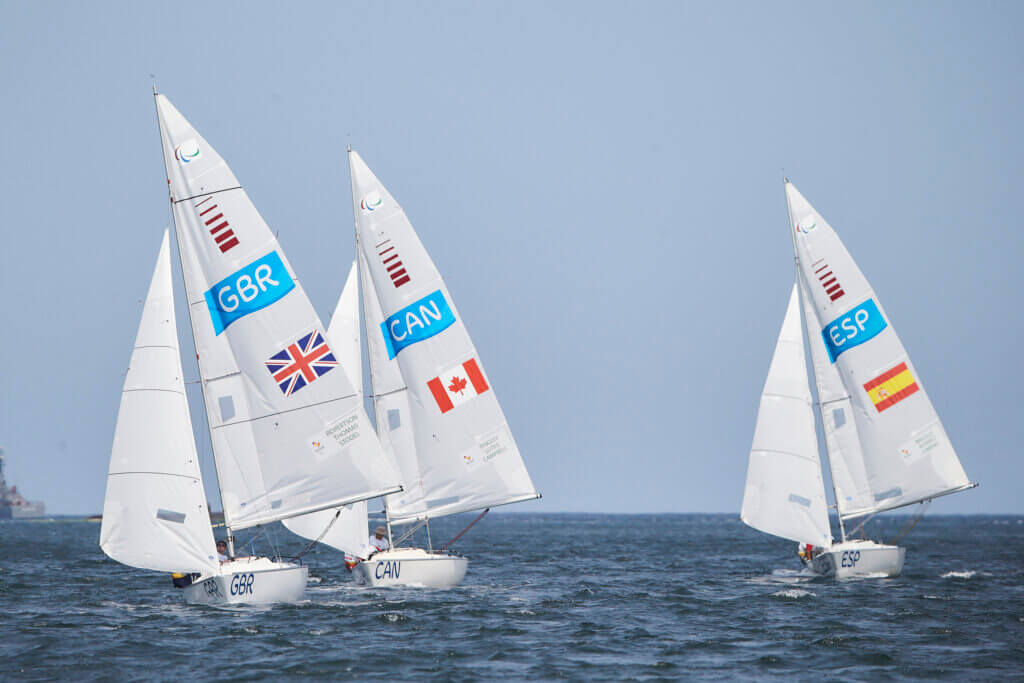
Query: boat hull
(411, 567)
(859, 558)
(249, 581)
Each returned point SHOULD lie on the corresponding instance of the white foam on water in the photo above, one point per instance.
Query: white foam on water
(960, 575)
(794, 594)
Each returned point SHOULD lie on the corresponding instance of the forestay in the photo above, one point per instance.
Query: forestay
(289, 433)
(342, 528)
(155, 514)
(907, 456)
(465, 454)
(785, 494)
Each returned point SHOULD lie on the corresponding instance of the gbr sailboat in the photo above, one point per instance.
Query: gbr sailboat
(289, 433)
(885, 444)
(437, 412)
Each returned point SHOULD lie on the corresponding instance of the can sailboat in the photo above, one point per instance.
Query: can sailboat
(436, 410)
(288, 430)
(885, 443)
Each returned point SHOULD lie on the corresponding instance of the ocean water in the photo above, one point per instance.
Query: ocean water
(584, 597)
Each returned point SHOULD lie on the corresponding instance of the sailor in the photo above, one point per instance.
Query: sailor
(222, 551)
(379, 540)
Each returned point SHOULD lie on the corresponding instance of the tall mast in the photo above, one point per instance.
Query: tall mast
(195, 344)
(365, 328)
(821, 412)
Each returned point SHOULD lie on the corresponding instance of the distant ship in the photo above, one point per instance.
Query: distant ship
(12, 504)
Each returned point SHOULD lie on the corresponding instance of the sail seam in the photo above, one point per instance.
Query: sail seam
(162, 474)
(156, 346)
(795, 398)
(795, 455)
(203, 194)
(388, 393)
(167, 391)
(284, 412)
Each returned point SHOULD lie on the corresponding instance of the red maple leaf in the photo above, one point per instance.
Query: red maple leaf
(457, 385)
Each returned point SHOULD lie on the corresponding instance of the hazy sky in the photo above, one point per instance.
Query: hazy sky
(599, 183)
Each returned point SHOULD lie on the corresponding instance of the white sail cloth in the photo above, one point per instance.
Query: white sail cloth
(906, 455)
(347, 533)
(785, 494)
(155, 514)
(446, 429)
(289, 433)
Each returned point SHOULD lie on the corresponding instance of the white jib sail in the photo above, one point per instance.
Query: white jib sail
(290, 435)
(467, 457)
(155, 514)
(347, 533)
(907, 455)
(785, 495)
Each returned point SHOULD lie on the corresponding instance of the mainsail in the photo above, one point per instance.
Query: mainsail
(906, 455)
(155, 514)
(289, 433)
(436, 409)
(784, 494)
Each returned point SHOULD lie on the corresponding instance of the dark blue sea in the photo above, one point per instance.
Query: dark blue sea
(583, 597)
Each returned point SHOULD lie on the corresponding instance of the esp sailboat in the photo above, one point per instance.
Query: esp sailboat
(435, 408)
(885, 443)
(289, 433)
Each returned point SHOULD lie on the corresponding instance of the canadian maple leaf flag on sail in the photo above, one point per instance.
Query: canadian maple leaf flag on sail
(456, 385)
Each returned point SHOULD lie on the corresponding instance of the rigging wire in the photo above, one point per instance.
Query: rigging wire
(910, 526)
(317, 539)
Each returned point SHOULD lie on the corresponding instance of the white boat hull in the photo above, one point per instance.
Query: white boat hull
(411, 567)
(859, 558)
(249, 581)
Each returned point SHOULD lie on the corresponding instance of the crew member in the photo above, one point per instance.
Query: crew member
(379, 540)
(222, 551)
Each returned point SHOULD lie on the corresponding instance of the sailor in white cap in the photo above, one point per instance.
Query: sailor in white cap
(379, 540)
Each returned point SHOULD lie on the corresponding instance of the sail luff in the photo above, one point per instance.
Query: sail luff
(289, 432)
(164, 147)
(784, 493)
(154, 511)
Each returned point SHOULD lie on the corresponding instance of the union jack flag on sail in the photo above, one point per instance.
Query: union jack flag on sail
(301, 363)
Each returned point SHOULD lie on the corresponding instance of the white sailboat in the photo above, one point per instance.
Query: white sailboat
(288, 430)
(436, 411)
(885, 443)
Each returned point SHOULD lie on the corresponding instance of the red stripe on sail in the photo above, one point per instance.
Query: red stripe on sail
(206, 211)
(215, 218)
(444, 402)
(475, 376)
(897, 397)
(401, 281)
(233, 242)
(227, 234)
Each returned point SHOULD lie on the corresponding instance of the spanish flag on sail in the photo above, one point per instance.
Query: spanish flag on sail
(891, 387)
